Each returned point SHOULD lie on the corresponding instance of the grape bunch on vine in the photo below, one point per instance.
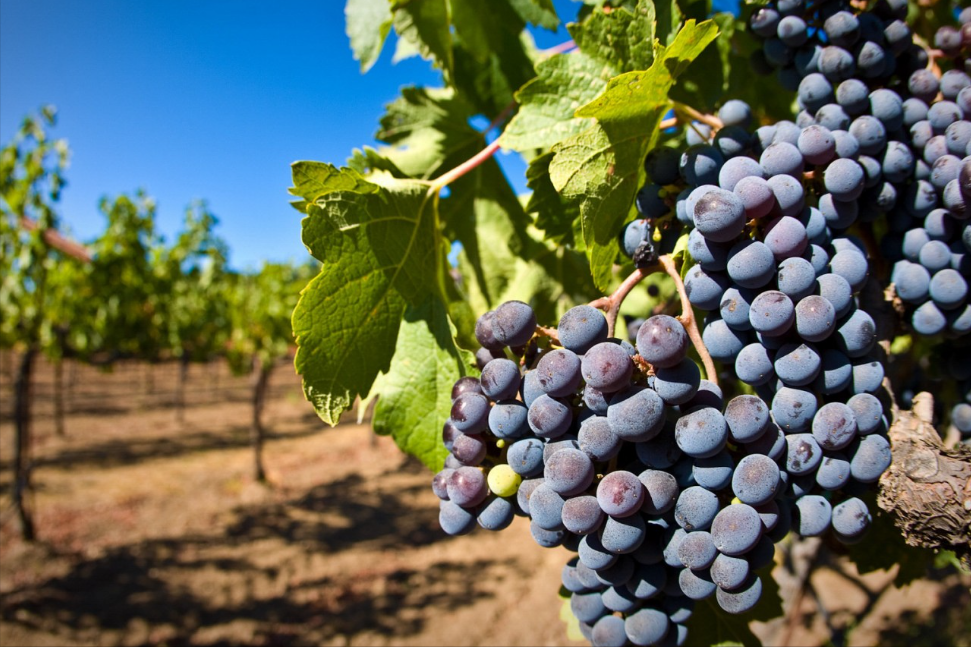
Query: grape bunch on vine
(753, 235)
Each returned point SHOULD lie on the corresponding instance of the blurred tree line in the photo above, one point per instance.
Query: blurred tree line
(128, 294)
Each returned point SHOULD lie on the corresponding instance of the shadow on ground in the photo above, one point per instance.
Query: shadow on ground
(265, 579)
(128, 451)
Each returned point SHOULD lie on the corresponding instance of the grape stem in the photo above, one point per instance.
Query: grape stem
(562, 48)
(709, 120)
(611, 305)
(932, 55)
(501, 117)
(465, 167)
(687, 319)
(487, 152)
(549, 332)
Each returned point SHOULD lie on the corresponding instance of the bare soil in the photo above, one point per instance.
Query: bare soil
(154, 532)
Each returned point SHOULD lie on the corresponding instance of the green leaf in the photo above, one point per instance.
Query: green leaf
(502, 257)
(368, 24)
(414, 396)
(706, 83)
(620, 39)
(668, 20)
(378, 243)
(548, 102)
(634, 96)
(405, 49)
(609, 43)
(425, 24)
(314, 179)
(602, 168)
(366, 161)
(429, 131)
(540, 13)
(601, 174)
(484, 215)
(494, 55)
(554, 216)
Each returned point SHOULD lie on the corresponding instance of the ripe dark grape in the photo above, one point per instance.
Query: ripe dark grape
(558, 372)
(719, 215)
(636, 414)
(597, 440)
(582, 515)
(736, 529)
(756, 479)
(814, 515)
(500, 379)
(647, 627)
(606, 367)
(620, 494)
(661, 491)
(514, 323)
(741, 599)
(701, 433)
(581, 328)
(470, 412)
(850, 519)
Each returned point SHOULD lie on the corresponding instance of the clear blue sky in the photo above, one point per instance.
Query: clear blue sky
(208, 100)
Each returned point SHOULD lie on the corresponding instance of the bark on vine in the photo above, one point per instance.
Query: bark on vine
(261, 380)
(21, 458)
(928, 487)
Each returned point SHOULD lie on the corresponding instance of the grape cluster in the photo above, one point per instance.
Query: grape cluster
(911, 144)
(627, 456)
(823, 37)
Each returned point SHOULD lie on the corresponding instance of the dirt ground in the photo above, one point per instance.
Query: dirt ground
(154, 532)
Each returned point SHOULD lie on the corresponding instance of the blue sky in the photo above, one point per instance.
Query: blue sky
(208, 100)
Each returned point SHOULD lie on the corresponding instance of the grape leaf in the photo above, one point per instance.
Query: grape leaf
(494, 35)
(405, 49)
(705, 84)
(483, 213)
(481, 81)
(668, 20)
(603, 167)
(621, 39)
(548, 102)
(554, 216)
(368, 23)
(426, 25)
(601, 175)
(377, 240)
(414, 395)
(540, 13)
(429, 131)
(314, 179)
(366, 161)
(634, 96)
